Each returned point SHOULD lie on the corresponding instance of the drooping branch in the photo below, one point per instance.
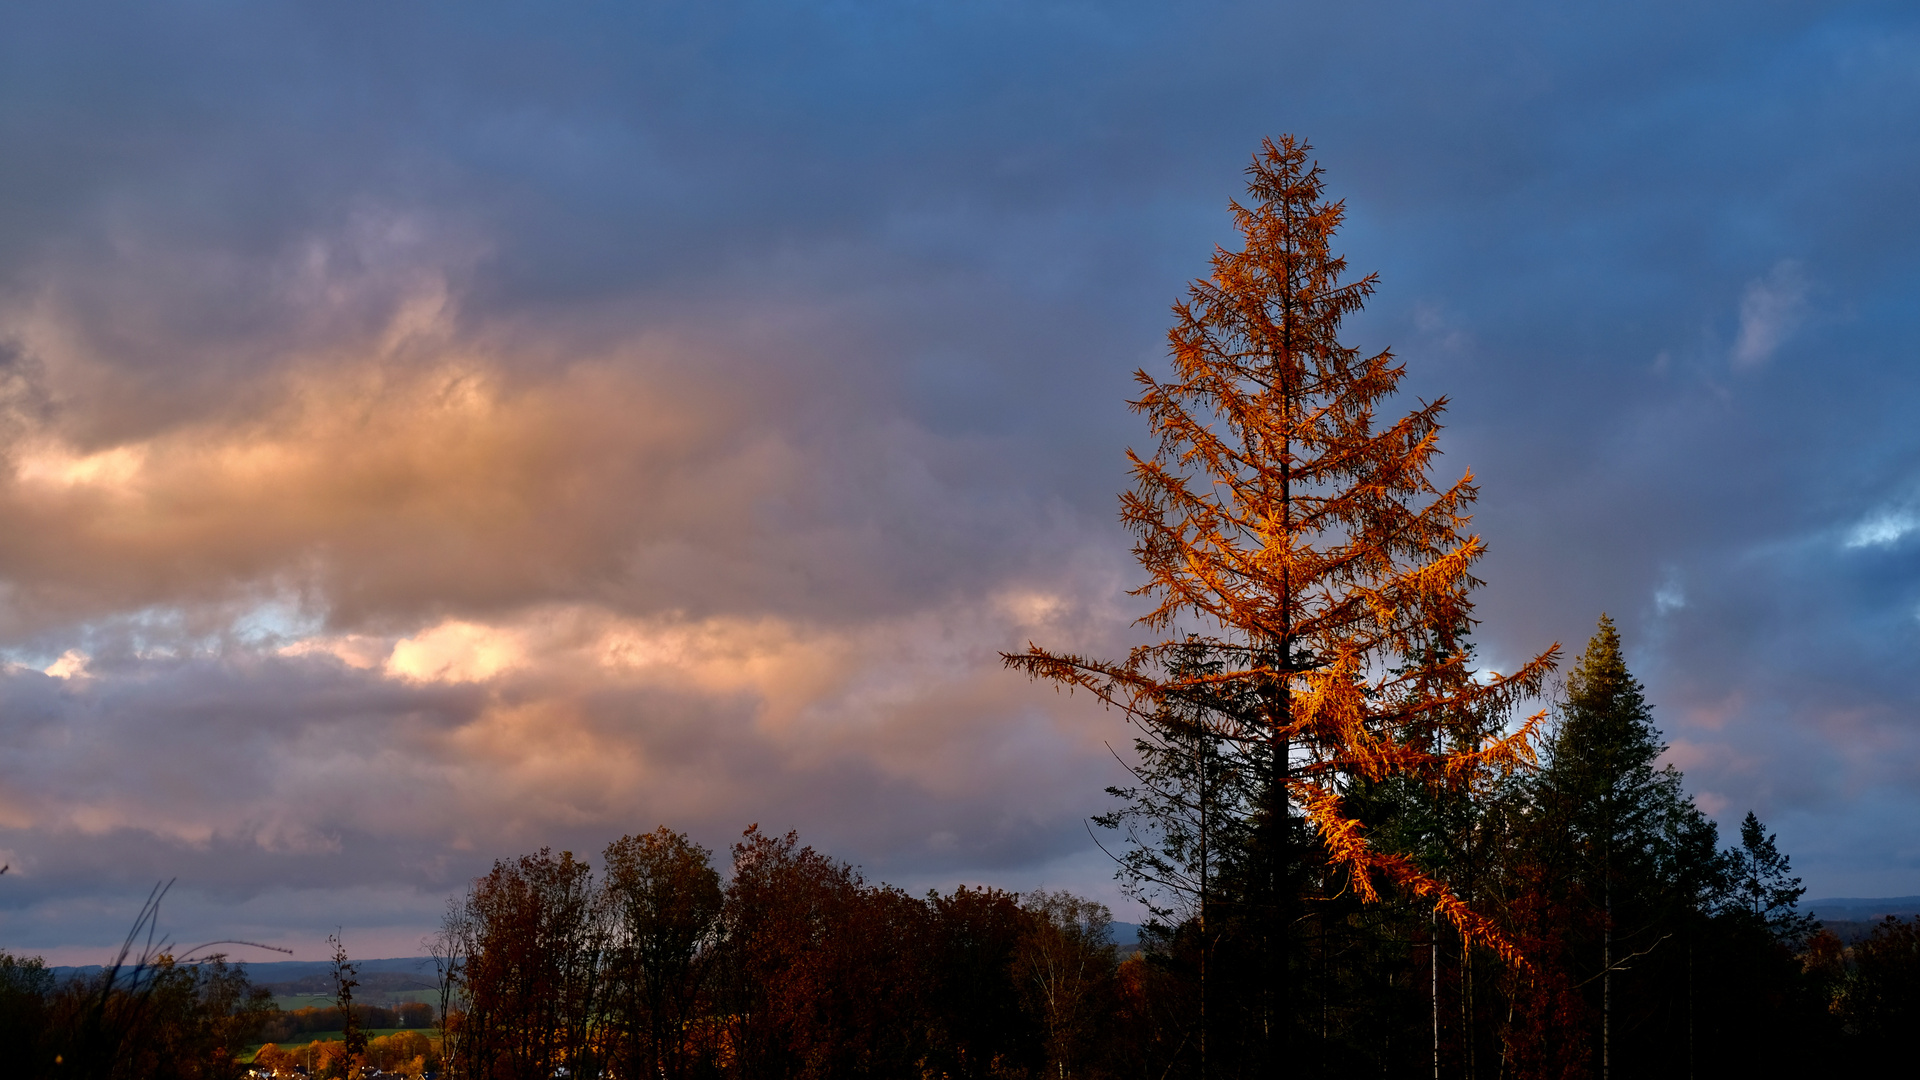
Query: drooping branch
(1309, 539)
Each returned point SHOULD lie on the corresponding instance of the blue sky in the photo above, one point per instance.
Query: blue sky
(432, 431)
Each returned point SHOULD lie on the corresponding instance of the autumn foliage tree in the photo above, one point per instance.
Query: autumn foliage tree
(532, 932)
(820, 980)
(1302, 546)
(664, 905)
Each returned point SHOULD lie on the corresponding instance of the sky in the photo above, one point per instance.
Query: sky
(434, 431)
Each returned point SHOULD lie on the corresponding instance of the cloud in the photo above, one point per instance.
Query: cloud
(71, 663)
(1882, 529)
(1771, 308)
(1671, 595)
(411, 594)
(242, 771)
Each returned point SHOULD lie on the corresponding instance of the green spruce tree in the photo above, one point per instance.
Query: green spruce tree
(1632, 859)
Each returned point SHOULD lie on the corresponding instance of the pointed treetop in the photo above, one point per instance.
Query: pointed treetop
(1765, 885)
(1601, 672)
(1296, 538)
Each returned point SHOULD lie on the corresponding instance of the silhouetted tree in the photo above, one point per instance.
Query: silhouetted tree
(1763, 886)
(977, 1026)
(1622, 860)
(26, 986)
(664, 906)
(533, 939)
(447, 949)
(353, 1040)
(824, 976)
(157, 1020)
(1187, 824)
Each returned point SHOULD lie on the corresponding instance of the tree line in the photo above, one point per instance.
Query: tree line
(1649, 947)
(286, 1024)
(1642, 944)
(793, 966)
(411, 1054)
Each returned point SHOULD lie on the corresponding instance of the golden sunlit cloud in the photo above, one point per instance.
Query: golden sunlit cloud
(461, 588)
(416, 476)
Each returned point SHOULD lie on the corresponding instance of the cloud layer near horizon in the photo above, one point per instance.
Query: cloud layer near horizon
(434, 431)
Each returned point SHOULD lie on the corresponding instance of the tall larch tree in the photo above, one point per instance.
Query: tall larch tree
(1304, 549)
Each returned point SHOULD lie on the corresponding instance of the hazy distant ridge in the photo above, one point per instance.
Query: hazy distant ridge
(408, 969)
(1861, 909)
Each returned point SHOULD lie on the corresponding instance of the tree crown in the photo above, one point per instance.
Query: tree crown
(1301, 546)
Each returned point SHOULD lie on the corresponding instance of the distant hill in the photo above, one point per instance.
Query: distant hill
(1849, 917)
(1852, 918)
(1857, 909)
(286, 977)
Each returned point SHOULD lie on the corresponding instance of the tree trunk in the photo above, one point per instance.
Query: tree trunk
(1433, 955)
(1606, 989)
(1279, 970)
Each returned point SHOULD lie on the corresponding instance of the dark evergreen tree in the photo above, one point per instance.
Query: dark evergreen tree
(1187, 825)
(1624, 859)
(1763, 887)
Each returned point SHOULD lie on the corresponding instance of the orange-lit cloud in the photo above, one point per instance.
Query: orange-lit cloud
(397, 597)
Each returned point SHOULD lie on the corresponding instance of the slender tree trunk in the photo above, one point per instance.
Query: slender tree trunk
(1280, 973)
(1466, 948)
(1606, 987)
(1500, 1071)
(1203, 751)
(1277, 954)
(1433, 956)
(1326, 980)
(1466, 1007)
(1606, 941)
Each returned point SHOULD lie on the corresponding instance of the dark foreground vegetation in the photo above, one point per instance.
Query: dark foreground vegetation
(796, 967)
(1362, 859)
(148, 1014)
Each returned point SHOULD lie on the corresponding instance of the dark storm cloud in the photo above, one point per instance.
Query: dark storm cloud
(409, 407)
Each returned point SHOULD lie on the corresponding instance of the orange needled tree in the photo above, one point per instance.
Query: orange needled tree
(1304, 551)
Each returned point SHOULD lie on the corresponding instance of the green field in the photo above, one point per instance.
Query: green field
(290, 1002)
(306, 1037)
